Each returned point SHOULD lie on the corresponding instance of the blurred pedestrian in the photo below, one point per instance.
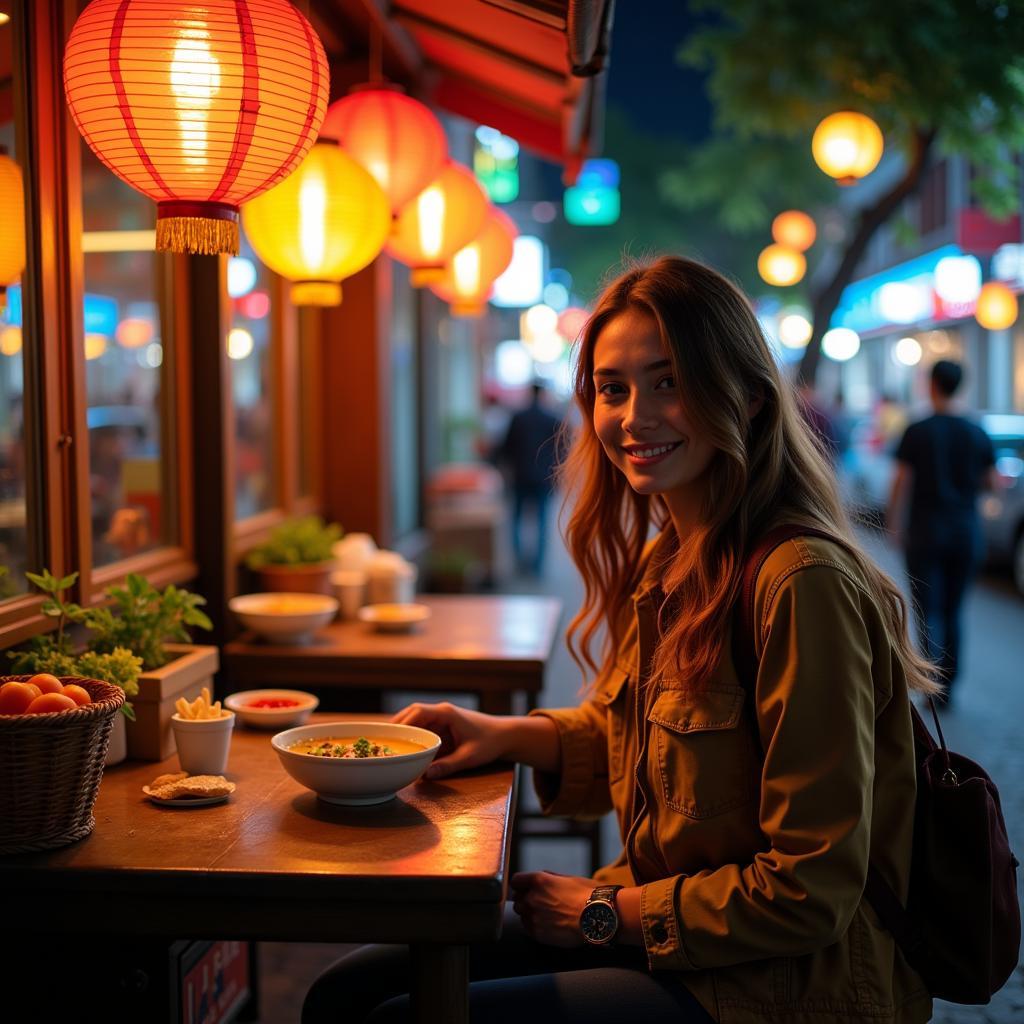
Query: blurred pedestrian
(529, 449)
(494, 420)
(942, 462)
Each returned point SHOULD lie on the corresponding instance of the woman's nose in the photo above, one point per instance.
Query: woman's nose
(640, 415)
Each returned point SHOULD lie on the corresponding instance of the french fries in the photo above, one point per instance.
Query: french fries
(200, 708)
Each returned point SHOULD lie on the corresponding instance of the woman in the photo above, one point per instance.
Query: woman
(748, 821)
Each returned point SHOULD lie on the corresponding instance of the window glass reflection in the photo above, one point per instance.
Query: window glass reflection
(249, 352)
(123, 339)
(14, 539)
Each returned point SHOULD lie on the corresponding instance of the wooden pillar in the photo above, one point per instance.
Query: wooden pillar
(213, 439)
(356, 404)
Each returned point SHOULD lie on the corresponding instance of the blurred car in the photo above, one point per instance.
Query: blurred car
(1002, 512)
(867, 469)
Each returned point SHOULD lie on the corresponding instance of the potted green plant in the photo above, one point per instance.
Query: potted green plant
(297, 557)
(155, 624)
(143, 624)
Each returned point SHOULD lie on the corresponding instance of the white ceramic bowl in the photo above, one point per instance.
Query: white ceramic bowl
(394, 618)
(357, 780)
(284, 618)
(271, 718)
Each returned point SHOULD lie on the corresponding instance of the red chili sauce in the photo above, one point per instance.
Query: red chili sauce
(273, 702)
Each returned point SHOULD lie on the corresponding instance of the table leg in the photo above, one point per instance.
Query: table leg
(495, 702)
(440, 984)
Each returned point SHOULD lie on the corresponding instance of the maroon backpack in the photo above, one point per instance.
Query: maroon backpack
(960, 929)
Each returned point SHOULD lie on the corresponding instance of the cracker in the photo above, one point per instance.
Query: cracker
(166, 780)
(196, 786)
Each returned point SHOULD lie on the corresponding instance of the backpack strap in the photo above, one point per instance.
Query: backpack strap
(879, 893)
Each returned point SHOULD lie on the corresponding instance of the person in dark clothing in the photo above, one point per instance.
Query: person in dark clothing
(942, 462)
(529, 449)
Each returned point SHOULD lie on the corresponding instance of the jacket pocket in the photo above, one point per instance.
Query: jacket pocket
(703, 749)
(611, 692)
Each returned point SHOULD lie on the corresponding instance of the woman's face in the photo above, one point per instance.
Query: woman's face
(638, 412)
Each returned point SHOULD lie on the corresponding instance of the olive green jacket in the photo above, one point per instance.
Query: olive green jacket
(753, 865)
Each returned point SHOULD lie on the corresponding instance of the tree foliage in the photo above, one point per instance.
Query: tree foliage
(945, 75)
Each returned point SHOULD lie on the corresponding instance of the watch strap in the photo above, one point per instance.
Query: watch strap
(604, 892)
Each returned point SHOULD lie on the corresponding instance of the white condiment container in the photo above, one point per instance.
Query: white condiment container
(390, 579)
(354, 552)
(350, 590)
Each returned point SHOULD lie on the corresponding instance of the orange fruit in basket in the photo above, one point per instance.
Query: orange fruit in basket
(50, 702)
(47, 683)
(79, 694)
(16, 697)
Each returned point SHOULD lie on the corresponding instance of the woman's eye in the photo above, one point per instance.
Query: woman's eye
(667, 382)
(611, 389)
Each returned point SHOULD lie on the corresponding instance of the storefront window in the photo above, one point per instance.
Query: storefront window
(249, 349)
(124, 334)
(14, 544)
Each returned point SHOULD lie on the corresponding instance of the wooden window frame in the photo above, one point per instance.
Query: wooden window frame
(56, 432)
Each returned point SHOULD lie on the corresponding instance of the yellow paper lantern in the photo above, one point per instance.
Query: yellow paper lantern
(10, 341)
(12, 225)
(779, 265)
(795, 229)
(435, 225)
(95, 345)
(470, 276)
(324, 223)
(847, 146)
(997, 307)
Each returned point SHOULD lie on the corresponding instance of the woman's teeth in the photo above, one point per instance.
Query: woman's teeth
(650, 453)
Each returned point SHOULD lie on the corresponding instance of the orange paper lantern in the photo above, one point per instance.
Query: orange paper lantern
(12, 227)
(795, 229)
(443, 218)
(997, 307)
(781, 266)
(396, 138)
(470, 276)
(199, 106)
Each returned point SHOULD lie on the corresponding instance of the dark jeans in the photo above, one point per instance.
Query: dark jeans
(513, 981)
(939, 577)
(530, 502)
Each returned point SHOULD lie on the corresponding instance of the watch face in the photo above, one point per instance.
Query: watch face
(598, 922)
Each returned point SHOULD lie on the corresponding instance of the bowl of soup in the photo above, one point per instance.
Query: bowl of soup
(284, 618)
(356, 763)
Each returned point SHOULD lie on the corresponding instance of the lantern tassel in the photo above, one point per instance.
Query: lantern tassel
(197, 235)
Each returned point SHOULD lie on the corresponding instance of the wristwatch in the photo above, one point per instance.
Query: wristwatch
(599, 920)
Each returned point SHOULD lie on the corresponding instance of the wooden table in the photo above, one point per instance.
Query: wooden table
(489, 646)
(275, 863)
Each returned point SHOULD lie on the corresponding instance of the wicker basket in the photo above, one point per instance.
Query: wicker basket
(50, 769)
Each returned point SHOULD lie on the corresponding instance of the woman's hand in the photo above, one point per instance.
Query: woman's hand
(468, 738)
(550, 906)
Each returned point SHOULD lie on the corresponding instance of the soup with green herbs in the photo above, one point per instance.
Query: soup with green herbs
(347, 747)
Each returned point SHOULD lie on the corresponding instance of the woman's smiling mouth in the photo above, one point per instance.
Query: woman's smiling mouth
(649, 454)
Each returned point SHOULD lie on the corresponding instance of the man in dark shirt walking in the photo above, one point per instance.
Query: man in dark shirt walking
(529, 450)
(943, 462)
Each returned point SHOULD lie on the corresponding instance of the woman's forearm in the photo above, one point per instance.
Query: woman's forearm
(532, 740)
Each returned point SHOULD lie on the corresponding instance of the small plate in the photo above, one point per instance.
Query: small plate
(394, 618)
(185, 801)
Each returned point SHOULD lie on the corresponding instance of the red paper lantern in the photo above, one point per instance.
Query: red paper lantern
(396, 138)
(443, 218)
(470, 276)
(199, 106)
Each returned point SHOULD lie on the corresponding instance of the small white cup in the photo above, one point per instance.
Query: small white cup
(203, 743)
(350, 590)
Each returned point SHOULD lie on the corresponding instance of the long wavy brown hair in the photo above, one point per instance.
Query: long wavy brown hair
(768, 469)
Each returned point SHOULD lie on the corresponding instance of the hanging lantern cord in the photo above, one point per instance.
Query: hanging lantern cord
(376, 53)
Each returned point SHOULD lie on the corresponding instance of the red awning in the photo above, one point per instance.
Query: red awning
(533, 69)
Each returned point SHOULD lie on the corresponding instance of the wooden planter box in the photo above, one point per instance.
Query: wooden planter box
(150, 737)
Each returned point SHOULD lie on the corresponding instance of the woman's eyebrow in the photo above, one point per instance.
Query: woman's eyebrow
(607, 371)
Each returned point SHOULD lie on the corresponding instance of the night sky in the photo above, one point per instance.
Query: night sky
(645, 81)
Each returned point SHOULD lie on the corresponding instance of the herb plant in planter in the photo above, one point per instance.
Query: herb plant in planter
(297, 557)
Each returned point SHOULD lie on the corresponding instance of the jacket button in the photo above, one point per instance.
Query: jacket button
(658, 933)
